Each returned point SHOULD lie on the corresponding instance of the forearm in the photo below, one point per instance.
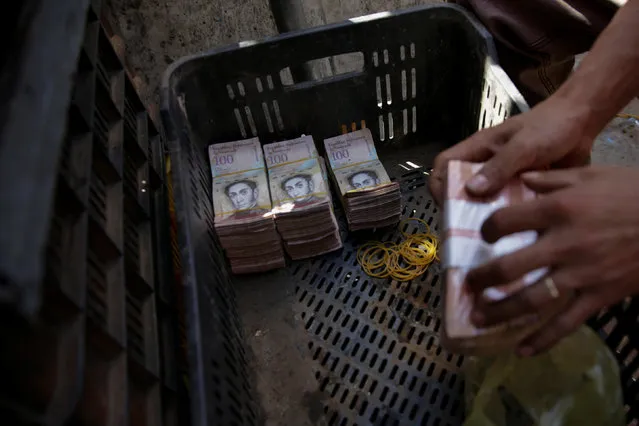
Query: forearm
(608, 78)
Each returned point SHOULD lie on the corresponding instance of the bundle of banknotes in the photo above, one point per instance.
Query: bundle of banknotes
(464, 249)
(243, 212)
(302, 202)
(368, 196)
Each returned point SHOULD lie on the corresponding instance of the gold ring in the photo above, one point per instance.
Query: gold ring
(552, 288)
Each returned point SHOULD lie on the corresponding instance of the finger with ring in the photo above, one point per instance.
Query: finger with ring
(529, 300)
(552, 288)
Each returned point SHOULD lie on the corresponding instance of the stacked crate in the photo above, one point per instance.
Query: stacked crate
(103, 351)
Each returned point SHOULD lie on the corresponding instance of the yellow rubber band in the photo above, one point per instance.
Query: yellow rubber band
(404, 261)
(623, 115)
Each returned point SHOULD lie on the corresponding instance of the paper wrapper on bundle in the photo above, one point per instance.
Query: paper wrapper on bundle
(464, 249)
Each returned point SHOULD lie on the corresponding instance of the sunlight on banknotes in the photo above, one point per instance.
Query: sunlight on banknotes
(301, 196)
(242, 205)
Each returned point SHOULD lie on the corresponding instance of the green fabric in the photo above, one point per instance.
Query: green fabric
(575, 383)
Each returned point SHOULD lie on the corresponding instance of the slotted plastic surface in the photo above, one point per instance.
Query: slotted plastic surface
(135, 327)
(373, 342)
(130, 116)
(101, 115)
(130, 176)
(131, 242)
(96, 289)
(97, 199)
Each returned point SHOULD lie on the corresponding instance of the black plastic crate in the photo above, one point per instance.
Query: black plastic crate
(90, 354)
(36, 76)
(421, 80)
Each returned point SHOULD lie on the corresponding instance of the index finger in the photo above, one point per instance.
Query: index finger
(534, 215)
(514, 266)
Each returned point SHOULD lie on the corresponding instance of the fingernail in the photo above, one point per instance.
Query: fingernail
(478, 318)
(530, 175)
(479, 183)
(526, 351)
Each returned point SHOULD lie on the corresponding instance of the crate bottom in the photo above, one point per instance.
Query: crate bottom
(328, 342)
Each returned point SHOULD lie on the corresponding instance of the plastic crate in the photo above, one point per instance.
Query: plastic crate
(102, 348)
(428, 78)
(36, 74)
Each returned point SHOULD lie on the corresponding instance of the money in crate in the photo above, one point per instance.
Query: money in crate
(242, 205)
(368, 196)
(301, 198)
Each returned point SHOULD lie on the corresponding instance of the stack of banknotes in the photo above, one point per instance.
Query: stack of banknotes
(368, 196)
(464, 249)
(243, 212)
(301, 197)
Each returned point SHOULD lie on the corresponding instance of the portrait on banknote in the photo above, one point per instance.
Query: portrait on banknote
(299, 188)
(241, 196)
(363, 179)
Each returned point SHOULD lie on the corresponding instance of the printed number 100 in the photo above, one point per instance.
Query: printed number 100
(340, 155)
(275, 159)
(221, 160)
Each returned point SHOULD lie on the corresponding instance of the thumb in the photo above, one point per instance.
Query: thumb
(509, 161)
(476, 149)
(552, 180)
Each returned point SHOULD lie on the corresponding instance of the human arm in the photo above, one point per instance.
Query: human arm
(559, 131)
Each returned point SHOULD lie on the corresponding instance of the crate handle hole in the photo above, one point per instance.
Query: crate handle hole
(347, 64)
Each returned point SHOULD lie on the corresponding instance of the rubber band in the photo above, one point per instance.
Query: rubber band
(404, 261)
(623, 115)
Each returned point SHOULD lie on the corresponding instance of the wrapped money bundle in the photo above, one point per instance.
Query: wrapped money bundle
(465, 249)
(368, 196)
(301, 200)
(242, 204)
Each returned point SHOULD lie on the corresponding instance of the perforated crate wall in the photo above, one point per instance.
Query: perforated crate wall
(96, 353)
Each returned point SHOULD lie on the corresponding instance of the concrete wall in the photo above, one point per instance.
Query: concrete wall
(157, 32)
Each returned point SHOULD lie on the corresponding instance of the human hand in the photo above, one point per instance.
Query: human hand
(588, 220)
(554, 133)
